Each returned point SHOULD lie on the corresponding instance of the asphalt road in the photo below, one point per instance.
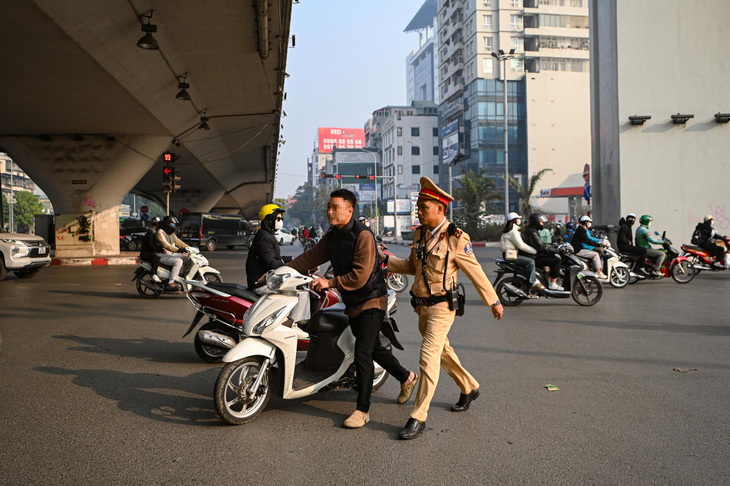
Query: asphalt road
(97, 386)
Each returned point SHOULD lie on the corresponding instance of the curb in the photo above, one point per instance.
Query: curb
(482, 244)
(103, 261)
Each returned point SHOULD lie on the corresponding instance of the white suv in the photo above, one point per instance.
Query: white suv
(22, 254)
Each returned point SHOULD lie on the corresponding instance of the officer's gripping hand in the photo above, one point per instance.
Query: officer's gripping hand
(498, 311)
(381, 253)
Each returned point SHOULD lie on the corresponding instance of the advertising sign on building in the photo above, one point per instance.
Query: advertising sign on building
(404, 206)
(450, 141)
(344, 138)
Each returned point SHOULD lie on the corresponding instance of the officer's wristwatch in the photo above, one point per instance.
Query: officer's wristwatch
(496, 304)
(387, 257)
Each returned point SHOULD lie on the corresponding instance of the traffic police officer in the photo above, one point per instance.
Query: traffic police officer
(438, 252)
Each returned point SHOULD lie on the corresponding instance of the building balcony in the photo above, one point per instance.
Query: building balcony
(559, 53)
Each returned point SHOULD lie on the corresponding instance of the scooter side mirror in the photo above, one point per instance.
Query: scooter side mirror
(656, 233)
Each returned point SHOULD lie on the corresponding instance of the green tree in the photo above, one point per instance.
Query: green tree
(26, 206)
(525, 192)
(475, 194)
(310, 201)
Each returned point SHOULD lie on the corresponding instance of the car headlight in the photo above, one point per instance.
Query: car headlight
(273, 317)
(274, 281)
(19, 248)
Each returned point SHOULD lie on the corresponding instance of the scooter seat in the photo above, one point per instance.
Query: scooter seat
(633, 258)
(235, 289)
(693, 247)
(331, 319)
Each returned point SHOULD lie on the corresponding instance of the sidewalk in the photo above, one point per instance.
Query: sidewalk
(124, 258)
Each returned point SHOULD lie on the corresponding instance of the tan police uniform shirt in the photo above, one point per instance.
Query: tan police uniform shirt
(460, 257)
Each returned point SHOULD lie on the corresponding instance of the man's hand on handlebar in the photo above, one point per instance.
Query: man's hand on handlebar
(319, 284)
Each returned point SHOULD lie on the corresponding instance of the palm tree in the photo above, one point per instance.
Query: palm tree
(525, 192)
(475, 193)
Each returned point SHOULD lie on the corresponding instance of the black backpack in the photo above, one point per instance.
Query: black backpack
(696, 236)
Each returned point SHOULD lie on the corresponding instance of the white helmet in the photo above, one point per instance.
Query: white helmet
(513, 216)
(584, 219)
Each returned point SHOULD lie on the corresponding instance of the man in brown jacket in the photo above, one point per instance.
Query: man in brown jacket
(439, 251)
(350, 246)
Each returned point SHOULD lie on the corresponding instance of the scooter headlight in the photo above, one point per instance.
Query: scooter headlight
(272, 318)
(274, 281)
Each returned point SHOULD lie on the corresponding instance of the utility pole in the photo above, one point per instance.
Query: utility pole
(504, 58)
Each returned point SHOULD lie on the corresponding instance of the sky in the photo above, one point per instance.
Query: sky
(349, 60)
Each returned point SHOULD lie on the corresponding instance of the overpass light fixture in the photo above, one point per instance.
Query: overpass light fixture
(147, 41)
(680, 119)
(203, 121)
(183, 87)
(639, 119)
(722, 117)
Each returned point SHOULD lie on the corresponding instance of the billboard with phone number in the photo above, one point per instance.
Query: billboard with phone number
(344, 138)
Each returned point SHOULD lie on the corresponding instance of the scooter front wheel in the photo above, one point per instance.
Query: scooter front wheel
(683, 272)
(235, 402)
(587, 291)
(397, 282)
(620, 277)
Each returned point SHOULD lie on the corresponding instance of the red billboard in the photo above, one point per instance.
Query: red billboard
(344, 138)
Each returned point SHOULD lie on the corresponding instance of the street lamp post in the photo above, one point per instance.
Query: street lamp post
(504, 58)
(451, 189)
(375, 180)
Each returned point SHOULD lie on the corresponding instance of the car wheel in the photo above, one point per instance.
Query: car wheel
(28, 273)
(132, 245)
(3, 270)
(211, 245)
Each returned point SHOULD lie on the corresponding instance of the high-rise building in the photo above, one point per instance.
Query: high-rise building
(547, 96)
(422, 63)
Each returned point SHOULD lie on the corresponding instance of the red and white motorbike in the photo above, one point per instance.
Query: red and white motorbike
(225, 305)
(702, 259)
(268, 359)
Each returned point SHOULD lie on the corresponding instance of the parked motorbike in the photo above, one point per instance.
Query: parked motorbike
(701, 258)
(195, 268)
(513, 286)
(680, 268)
(225, 305)
(268, 361)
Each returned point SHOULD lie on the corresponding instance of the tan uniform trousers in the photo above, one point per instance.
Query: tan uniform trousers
(434, 324)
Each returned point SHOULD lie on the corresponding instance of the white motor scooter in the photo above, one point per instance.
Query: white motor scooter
(619, 274)
(197, 269)
(267, 361)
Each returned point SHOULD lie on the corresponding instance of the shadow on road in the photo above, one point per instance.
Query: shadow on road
(154, 350)
(171, 399)
(117, 295)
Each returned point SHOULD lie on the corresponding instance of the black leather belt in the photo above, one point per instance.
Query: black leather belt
(427, 301)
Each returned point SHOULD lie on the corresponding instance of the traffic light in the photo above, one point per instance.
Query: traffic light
(170, 180)
(327, 176)
(338, 176)
(362, 176)
(168, 157)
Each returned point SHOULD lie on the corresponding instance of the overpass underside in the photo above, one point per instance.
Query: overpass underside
(87, 113)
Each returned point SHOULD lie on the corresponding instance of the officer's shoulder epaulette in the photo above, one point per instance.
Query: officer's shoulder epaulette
(454, 231)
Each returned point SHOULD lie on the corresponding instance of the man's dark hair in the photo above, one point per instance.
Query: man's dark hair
(345, 194)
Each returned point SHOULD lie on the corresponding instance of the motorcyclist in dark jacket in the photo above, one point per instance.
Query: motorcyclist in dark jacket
(150, 248)
(625, 241)
(546, 255)
(706, 239)
(265, 254)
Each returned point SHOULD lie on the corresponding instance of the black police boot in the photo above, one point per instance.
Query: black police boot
(412, 429)
(464, 401)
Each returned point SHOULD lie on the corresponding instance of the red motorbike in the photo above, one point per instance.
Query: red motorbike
(702, 259)
(225, 305)
(680, 268)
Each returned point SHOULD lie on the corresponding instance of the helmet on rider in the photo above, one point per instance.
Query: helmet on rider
(537, 221)
(570, 225)
(585, 219)
(708, 219)
(646, 220)
(169, 224)
(630, 219)
(268, 210)
(513, 216)
(269, 216)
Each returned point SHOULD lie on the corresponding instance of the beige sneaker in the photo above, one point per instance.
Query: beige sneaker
(406, 390)
(357, 420)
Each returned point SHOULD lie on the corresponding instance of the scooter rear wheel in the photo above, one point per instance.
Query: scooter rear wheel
(143, 288)
(505, 296)
(397, 282)
(207, 352)
(233, 402)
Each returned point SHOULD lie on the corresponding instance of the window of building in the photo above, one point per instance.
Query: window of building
(400, 131)
(487, 22)
(516, 3)
(415, 150)
(435, 131)
(517, 65)
(415, 132)
(517, 43)
(565, 21)
(515, 22)
(435, 150)
(488, 65)
(436, 169)
(488, 46)
(487, 3)
(400, 169)
(415, 169)
(400, 150)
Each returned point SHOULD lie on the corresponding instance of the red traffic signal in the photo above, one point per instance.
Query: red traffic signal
(338, 176)
(361, 176)
(168, 157)
(168, 171)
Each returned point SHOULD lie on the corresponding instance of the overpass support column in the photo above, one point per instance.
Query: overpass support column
(86, 177)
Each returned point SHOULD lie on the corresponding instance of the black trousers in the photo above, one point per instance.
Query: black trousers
(552, 261)
(366, 329)
(639, 252)
(715, 251)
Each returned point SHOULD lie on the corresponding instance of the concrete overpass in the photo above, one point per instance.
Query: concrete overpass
(87, 113)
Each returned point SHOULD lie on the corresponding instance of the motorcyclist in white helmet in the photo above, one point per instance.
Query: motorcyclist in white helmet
(511, 241)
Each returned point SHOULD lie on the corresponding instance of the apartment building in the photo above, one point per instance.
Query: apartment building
(422, 63)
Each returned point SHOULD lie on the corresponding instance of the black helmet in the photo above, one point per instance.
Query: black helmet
(537, 220)
(570, 225)
(169, 224)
